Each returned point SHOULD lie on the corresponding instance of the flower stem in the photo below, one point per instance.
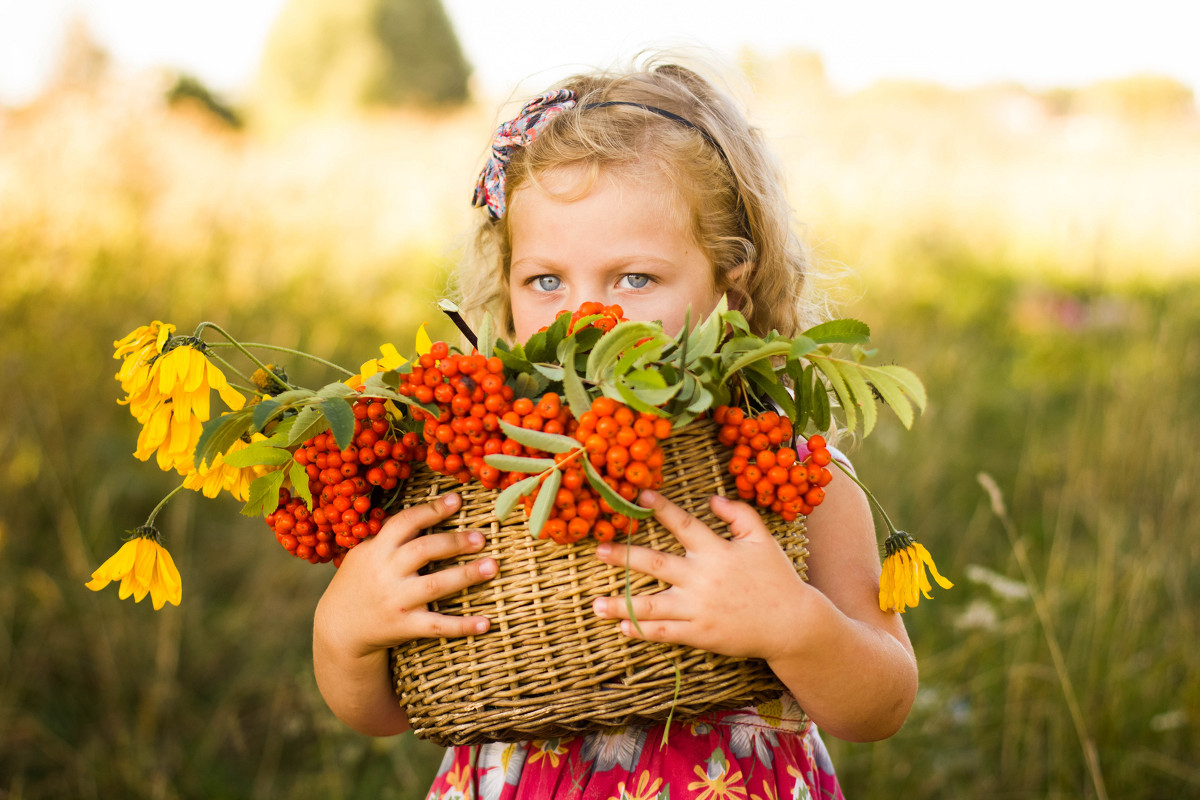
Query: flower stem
(892, 530)
(242, 348)
(161, 504)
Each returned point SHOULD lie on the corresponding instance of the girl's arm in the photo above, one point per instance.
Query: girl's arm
(377, 600)
(849, 665)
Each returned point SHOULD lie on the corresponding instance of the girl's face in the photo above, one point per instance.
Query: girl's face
(626, 241)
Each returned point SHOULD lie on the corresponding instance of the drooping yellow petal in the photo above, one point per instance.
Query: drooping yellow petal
(197, 372)
(424, 343)
(230, 396)
(391, 357)
(116, 567)
(928, 560)
(166, 586)
(171, 367)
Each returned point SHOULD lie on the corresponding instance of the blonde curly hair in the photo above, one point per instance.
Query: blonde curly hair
(740, 215)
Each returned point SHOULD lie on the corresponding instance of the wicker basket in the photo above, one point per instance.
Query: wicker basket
(548, 666)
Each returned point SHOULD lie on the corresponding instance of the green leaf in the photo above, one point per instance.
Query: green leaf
(619, 504)
(649, 350)
(737, 321)
(646, 379)
(507, 500)
(764, 379)
(309, 422)
(577, 397)
(801, 391)
(527, 384)
(539, 440)
(758, 354)
(544, 503)
(909, 382)
(263, 412)
(843, 331)
(822, 414)
(258, 453)
(853, 375)
(219, 433)
(299, 478)
(486, 338)
(891, 393)
(518, 463)
(622, 337)
(263, 497)
(838, 385)
(331, 390)
(704, 339)
(341, 420)
(622, 392)
(552, 371)
(801, 346)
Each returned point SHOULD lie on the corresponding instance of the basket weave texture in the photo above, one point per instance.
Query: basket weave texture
(548, 667)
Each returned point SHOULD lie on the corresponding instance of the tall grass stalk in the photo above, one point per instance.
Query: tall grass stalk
(1047, 621)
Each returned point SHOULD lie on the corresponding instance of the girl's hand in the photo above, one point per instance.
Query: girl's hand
(726, 595)
(378, 600)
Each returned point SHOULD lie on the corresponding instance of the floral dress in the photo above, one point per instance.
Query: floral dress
(764, 752)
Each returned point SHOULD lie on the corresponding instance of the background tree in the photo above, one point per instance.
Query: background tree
(336, 57)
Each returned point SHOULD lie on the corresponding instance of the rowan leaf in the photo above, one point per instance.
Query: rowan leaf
(839, 331)
(618, 503)
(539, 440)
(544, 503)
(507, 500)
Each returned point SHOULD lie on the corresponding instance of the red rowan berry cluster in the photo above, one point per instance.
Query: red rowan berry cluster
(609, 316)
(623, 446)
(350, 486)
(472, 397)
(768, 470)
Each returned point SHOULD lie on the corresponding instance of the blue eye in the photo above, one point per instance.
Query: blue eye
(636, 280)
(547, 283)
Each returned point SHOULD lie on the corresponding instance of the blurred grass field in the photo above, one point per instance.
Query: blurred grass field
(1039, 269)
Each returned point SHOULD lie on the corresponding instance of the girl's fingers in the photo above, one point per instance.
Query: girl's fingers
(448, 626)
(419, 552)
(406, 525)
(744, 521)
(690, 531)
(436, 585)
(655, 563)
(658, 606)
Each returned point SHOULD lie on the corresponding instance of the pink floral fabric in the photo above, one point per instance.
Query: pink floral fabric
(765, 752)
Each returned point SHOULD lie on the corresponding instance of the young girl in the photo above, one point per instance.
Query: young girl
(648, 189)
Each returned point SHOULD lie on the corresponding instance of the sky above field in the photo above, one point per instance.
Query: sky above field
(1040, 43)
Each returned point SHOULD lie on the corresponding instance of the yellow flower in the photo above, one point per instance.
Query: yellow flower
(171, 400)
(142, 565)
(904, 573)
(391, 359)
(140, 351)
(211, 480)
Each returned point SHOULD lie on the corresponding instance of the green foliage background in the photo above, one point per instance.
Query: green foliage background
(1073, 386)
(333, 57)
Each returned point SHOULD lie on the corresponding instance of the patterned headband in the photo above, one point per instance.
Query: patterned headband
(529, 123)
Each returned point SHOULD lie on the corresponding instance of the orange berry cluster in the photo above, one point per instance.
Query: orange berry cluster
(350, 487)
(623, 447)
(472, 397)
(768, 470)
(609, 316)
